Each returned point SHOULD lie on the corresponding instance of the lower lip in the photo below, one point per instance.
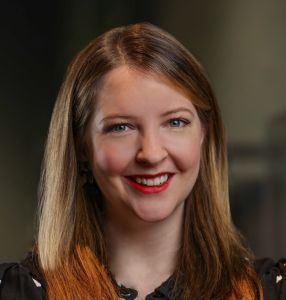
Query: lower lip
(150, 189)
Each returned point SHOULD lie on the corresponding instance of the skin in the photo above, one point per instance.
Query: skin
(143, 125)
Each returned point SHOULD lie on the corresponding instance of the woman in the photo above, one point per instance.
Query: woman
(134, 190)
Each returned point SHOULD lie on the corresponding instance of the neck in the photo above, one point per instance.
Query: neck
(143, 252)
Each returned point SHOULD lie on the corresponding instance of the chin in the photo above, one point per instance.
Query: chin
(156, 215)
(152, 218)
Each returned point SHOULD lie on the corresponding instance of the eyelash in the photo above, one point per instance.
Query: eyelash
(115, 127)
(182, 121)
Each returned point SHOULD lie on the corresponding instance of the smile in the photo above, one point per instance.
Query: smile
(150, 184)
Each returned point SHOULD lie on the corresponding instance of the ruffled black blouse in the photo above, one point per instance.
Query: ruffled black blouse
(22, 281)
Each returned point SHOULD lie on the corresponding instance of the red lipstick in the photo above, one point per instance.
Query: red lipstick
(149, 189)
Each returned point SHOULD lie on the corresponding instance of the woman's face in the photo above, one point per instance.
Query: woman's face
(143, 144)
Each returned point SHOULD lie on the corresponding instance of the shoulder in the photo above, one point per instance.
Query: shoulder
(18, 282)
(273, 277)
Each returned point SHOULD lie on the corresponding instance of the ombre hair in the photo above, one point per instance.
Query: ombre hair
(213, 262)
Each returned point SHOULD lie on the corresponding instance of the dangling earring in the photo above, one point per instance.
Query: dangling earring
(90, 187)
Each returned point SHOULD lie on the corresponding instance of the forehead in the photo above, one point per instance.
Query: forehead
(126, 89)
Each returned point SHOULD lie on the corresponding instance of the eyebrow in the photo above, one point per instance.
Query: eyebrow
(116, 116)
(176, 110)
(169, 112)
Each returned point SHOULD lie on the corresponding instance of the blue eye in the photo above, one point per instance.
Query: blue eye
(178, 123)
(119, 127)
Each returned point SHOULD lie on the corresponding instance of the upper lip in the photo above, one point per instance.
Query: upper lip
(151, 175)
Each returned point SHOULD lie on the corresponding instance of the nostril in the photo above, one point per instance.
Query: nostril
(151, 151)
(151, 157)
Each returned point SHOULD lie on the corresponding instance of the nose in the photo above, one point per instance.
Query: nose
(152, 150)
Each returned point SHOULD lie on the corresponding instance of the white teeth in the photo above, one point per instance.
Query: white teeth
(157, 181)
(138, 180)
(152, 182)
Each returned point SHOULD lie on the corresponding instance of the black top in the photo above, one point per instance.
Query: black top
(22, 281)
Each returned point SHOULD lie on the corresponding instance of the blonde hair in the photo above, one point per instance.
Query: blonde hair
(213, 258)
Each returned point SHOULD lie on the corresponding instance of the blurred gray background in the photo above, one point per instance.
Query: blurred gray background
(242, 44)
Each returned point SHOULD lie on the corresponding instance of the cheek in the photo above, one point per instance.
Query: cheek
(110, 158)
(187, 154)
